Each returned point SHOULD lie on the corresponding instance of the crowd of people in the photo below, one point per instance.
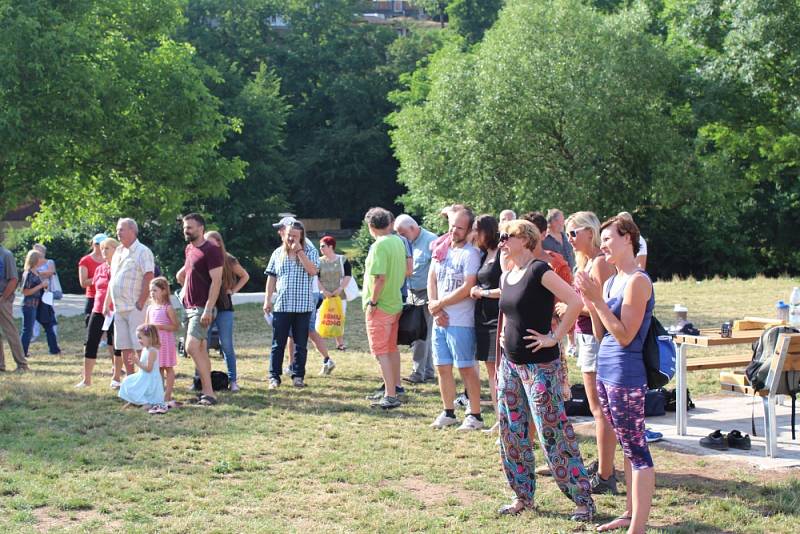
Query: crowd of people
(520, 294)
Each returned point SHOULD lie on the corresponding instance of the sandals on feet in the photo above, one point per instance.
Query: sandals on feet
(515, 508)
(207, 400)
(623, 518)
(584, 516)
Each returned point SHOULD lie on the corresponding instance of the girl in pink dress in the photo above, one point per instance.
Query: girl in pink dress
(161, 314)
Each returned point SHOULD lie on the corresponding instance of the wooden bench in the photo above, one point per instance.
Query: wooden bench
(717, 362)
(786, 357)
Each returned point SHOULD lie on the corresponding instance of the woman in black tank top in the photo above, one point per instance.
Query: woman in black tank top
(528, 387)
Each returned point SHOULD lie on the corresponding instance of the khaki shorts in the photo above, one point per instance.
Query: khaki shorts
(194, 327)
(125, 325)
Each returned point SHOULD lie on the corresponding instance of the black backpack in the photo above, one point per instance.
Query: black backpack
(579, 403)
(219, 381)
(659, 355)
(757, 370)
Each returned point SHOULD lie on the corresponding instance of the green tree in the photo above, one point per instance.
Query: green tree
(102, 113)
(471, 18)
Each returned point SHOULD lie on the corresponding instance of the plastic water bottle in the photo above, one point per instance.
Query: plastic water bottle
(782, 311)
(794, 309)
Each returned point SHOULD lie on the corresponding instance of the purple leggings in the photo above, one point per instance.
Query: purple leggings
(623, 408)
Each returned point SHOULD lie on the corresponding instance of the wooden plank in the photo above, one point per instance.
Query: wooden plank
(716, 340)
(718, 362)
(755, 323)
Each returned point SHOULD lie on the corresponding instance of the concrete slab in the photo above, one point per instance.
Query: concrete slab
(727, 412)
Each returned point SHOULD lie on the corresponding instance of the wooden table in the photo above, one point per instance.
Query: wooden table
(709, 337)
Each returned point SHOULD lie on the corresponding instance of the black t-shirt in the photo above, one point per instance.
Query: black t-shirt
(527, 304)
(486, 309)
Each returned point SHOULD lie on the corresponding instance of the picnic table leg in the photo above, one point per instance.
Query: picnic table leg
(770, 426)
(680, 394)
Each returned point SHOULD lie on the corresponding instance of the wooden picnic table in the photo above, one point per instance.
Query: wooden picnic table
(709, 337)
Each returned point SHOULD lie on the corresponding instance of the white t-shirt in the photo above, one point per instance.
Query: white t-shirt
(450, 275)
(642, 247)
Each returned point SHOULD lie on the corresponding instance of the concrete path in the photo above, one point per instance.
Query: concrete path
(725, 412)
(72, 305)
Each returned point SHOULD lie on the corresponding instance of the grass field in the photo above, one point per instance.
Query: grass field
(320, 458)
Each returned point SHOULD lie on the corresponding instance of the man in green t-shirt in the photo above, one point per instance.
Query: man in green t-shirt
(384, 274)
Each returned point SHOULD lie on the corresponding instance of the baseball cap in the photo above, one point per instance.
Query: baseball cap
(99, 238)
(286, 221)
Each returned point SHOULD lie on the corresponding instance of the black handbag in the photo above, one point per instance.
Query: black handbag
(579, 403)
(413, 326)
(45, 314)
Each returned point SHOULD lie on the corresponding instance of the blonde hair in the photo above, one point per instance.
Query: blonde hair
(151, 333)
(32, 259)
(109, 242)
(163, 284)
(524, 230)
(587, 220)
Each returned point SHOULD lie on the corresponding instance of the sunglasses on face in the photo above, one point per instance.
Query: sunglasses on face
(574, 233)
(505, 237)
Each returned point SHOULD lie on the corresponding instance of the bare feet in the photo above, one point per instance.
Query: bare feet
(623, 521)
(514, 508)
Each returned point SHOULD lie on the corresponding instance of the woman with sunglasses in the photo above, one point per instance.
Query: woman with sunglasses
(583, 232)
(528, 385)
(621, 312)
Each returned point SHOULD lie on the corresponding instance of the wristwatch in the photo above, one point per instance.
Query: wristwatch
(370, 303)
(485, 293)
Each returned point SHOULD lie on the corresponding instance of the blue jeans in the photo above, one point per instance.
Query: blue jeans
(282, 324)
(28, 320)
(224, 322)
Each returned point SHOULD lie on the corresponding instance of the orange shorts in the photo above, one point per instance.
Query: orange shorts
(382, 331)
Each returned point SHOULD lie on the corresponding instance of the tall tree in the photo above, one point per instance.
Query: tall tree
(103, 113)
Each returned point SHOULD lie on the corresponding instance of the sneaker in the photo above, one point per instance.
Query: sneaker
(413, 379)
(737, 441)
(327, 367)
(601, 485)
(400, 392)
(298, 382)
(716, 440)
(378, 394)
(387, 403)
(81, 385)
(462, 401)
(592, 468)
(274, 383)
(157, 409)
(442, 421)
(471, 423)
(115, 384)
(234, 387)
(651, 436)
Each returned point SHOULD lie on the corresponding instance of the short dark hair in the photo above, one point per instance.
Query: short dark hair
(537, 219)
(625, 226)
(378, 218)
(463, 210)
(196, 217)
(486, 227)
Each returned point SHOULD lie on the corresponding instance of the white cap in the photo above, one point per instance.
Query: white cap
(680, 308)
(286, 221)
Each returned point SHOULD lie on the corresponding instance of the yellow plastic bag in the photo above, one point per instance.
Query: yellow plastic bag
(330, 319)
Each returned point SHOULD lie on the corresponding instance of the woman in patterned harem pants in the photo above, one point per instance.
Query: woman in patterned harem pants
(528, 387)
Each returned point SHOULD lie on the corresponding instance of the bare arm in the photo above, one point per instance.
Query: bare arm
(213, 294)
(634, 304)
(409, 266)
(307, 264)
(83, 276)
(35, 289)
(270, 290)
(180, 276)
(563, 292)
(243, 277)
(456, 296)
(173, 320)
(433, 292)
(377, 288)
(50, 270)
(148, 277)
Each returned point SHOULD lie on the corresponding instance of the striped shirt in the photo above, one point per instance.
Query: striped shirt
(128, 267)
(293, 292)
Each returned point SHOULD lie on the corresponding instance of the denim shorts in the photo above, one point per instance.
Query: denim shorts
(587, 347)
(454, 345)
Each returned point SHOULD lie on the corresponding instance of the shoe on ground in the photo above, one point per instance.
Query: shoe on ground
(601, 486)
(592, 468)
(157, 409)
(544, 471)
(716, 440)
(388, 403)
(234, 387)
(651, 436)
(115, 384)
(443, 421)
(171, 405)
(298, 382)
(471, 423)
(378, 394)
(431, 379)
(327, 367)
(274, 383)
(20, 370)
(462, 401)
(413, 379)
(82, 384)
(515, 508)
(737, 441)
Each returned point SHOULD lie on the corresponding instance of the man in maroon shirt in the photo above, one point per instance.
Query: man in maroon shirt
(201, 277)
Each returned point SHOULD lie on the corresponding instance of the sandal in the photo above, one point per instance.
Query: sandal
(584, 516)
(605, 527)
(341, 347)
(515, 508)
(207, 400)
